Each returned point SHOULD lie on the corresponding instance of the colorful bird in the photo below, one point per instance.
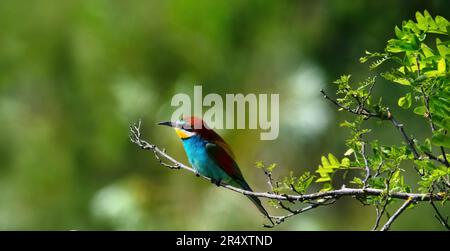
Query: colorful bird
(210, 156)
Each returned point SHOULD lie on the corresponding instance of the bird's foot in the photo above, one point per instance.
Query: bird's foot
(197, 174)
(216, 182)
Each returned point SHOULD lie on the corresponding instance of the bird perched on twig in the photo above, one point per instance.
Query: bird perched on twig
(211, 156)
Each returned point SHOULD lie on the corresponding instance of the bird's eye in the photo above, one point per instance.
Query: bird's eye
(187, 127)
(183, 125)
(179, 123)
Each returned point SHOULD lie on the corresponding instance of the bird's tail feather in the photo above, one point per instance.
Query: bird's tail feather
(260, 207)
(256, 201)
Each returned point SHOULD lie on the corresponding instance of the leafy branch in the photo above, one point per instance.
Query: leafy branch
(424, 72)
(378, 170)
(313, 199)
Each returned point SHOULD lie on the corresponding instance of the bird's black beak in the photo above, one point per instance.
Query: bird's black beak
(167, 123)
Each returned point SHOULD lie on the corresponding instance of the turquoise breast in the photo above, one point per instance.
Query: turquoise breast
(201, 161)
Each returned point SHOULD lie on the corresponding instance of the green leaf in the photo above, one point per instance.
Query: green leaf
(345, 162)
(441, 66)
(439, 139)
(333, 160)
(357, 181)
(421, 21)
(325, 162)
(396, 45)
(439, 106)
(326, 187)
(347, 124)
(271, 167)
(323, 179)
(442, 23)
(427, 144)
(402, 81)
(420, 110)
(398, 32)
(445, 123)
(405, 102)
(443, 50)
(273, 203)
(396, 175)
(308, 182)
(377, 182)
(259, 164)
(426, 50)
(429, 18)
(349, 152)
(324, 172)
(410, 25)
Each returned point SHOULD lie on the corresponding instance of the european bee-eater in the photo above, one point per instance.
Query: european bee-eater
(210, 156)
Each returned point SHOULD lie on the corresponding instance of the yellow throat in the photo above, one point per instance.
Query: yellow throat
(182, 134)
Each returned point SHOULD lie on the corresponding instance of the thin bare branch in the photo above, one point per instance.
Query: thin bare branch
(387, 197)
(378, 172)
(356, 111)
(388, 224)
(409, 141)
(366, 163)
(431, 156)
(440, 217)
(281, 219)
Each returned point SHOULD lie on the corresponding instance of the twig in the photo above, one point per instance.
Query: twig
(380, 214)
(439, 216)
(369, 93)
(378, 172)
(431, 156)
(273, 188)
(387, 196)
(270, 180)
(357, 111)
(397, 213)
(366, 163)
(408, 140)
(377, 220)
(281, 219)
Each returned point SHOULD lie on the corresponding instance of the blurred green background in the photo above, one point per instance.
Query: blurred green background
(75, 74)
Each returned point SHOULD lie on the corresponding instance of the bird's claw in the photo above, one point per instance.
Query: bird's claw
(216, 182)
